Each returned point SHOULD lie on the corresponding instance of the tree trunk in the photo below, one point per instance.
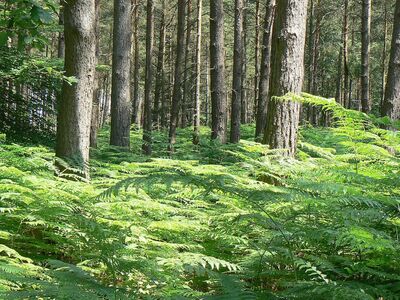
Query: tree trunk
(391, 104)
(265, 71)
(61, 37)
(160, 69)
(95, 121)
(73, 126)
(257, 57)
(186, 76)
(148, 120)
(217, 61)
(243, 113)
(136, 69)
(237, 73)
(179, 68)
(365, 52)
(120, 95)
(197, 106)
(384, 49)
(287, 73)
(346, 100)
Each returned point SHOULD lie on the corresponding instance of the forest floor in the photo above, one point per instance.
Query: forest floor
(212, 222)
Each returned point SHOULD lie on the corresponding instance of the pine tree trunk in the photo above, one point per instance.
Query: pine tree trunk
(179, 68)
(136, 115)
(243, 113)
(73, 126)
(197, 106)
(346, 100)
(160, 70)
(287, 74)
(95, 121)
(365, 53)
(257, 57)
(384, 49)
(186, 76)
(217, 65)
(237, 73)
(391, 104)
(265, 72)
(148, 120)
(61, 37)
(120, 94)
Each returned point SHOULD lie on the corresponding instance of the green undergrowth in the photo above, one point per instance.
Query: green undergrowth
(210, 222)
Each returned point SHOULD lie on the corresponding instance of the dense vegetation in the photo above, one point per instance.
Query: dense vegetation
(212, 222)
(177, 149)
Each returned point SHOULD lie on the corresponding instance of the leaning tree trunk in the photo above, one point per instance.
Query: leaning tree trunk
(197, 105)
(237, 73)
(73, 126)
(391, 104)
(148, 120)
(120, 95)
(179, 68)
(287, 74)
(365, 51)
(261, 117)
(217, 61)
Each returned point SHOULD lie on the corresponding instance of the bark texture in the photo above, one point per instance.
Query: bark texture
(197, 105)
(148, 120)
(287, 74)
(365, 53)
(73, 126)
(391, 104)
(179, 68)
(217, 64)
(261, 117)
(120, 94)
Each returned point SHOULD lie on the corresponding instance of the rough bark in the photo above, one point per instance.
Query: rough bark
(346, 101)
(158, 94)
(217, 64)
(95, 121)
(197, 105)
(179, 68)
(136, 68)
(391, 104)
(237, 73)
(186, 76)
(120, 94)
(257, 56)
(73, 126)
(287, 74)
(365, 55)
(61, 37)
(243, 113)
(148, 120)
(261, 118)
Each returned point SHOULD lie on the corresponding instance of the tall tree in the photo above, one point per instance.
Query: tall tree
(257, 55)
(261, 117)
(365, 53)
(148, 120)
(136, 115)
(121, 63)
(95, 121)
(237, 73)
(186, 75)
(345, 37)
(197, 105)
(73, 127)
(61, 37)
(287, 74)
(159, 86)
(217, 64)
(391, 104)
(179, 68)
